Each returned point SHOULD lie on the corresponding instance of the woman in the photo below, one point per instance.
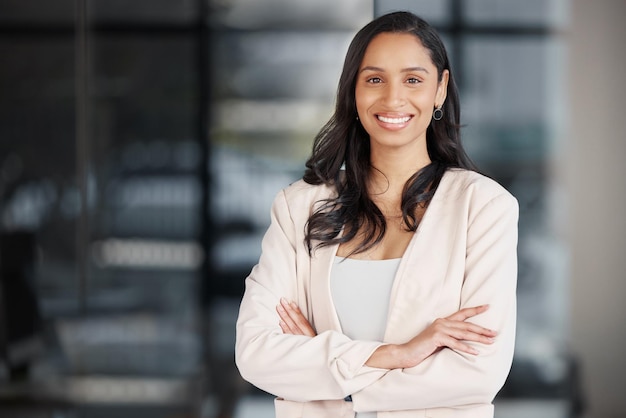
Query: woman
(386, 286)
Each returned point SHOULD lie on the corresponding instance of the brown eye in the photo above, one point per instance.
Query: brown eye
(374, 80)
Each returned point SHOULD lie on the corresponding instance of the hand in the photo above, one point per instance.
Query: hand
(452, 332)
(292, 321)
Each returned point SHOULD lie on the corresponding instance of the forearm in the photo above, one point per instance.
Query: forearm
(328, 366)
(389, 356)
(398, 356)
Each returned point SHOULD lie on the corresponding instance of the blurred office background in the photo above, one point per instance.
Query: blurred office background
(141, 145)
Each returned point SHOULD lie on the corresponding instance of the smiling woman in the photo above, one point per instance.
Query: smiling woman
(390, 220)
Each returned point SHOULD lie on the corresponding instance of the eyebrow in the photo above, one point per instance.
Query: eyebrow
(404, 70)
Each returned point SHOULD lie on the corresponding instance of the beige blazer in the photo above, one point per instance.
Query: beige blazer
(462, 255)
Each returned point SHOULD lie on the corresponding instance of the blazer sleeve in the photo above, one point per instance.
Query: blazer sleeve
(449, 378)
(298, 368)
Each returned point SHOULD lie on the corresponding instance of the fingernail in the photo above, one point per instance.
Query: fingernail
(280, 307)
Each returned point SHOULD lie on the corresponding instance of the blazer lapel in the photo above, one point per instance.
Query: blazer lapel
(422, 271)
(324, 316)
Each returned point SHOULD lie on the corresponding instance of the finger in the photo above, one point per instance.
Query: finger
(288, 325)
(296, 316)
(283, 324)
(284, 327)
(477, 329)
(461, 329)
(294, 320)
(287, 330)
(294, 308)
(466, 313)
(443, 330)
(458, 343)
(462, 347)
(467, 335)
(301, 320)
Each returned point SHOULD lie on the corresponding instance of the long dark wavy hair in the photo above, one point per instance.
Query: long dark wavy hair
(344, 142)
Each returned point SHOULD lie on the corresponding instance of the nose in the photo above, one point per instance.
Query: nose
(394, 95)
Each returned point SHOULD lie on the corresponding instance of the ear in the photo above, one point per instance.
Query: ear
(442, 89)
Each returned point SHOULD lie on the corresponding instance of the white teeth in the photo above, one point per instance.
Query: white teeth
(393, 120)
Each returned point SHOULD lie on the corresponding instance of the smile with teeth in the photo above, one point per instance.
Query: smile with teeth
(386, 119)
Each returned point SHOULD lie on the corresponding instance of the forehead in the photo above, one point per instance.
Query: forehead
(396, 49)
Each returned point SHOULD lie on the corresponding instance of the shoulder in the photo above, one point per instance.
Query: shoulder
(300, 196)
(303, 191)
(477, 189)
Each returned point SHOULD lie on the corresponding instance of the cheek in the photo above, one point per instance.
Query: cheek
(359, 98)
(363, 101)
(425, 102)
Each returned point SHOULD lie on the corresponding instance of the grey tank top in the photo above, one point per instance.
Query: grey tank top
(361, 290)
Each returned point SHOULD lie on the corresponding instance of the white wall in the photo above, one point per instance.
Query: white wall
(594, 171)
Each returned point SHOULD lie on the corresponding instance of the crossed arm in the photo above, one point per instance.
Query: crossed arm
(452, 332)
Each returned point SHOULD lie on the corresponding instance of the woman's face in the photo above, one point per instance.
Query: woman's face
(397, 89)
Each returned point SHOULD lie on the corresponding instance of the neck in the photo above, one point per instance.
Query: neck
(393, 167)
